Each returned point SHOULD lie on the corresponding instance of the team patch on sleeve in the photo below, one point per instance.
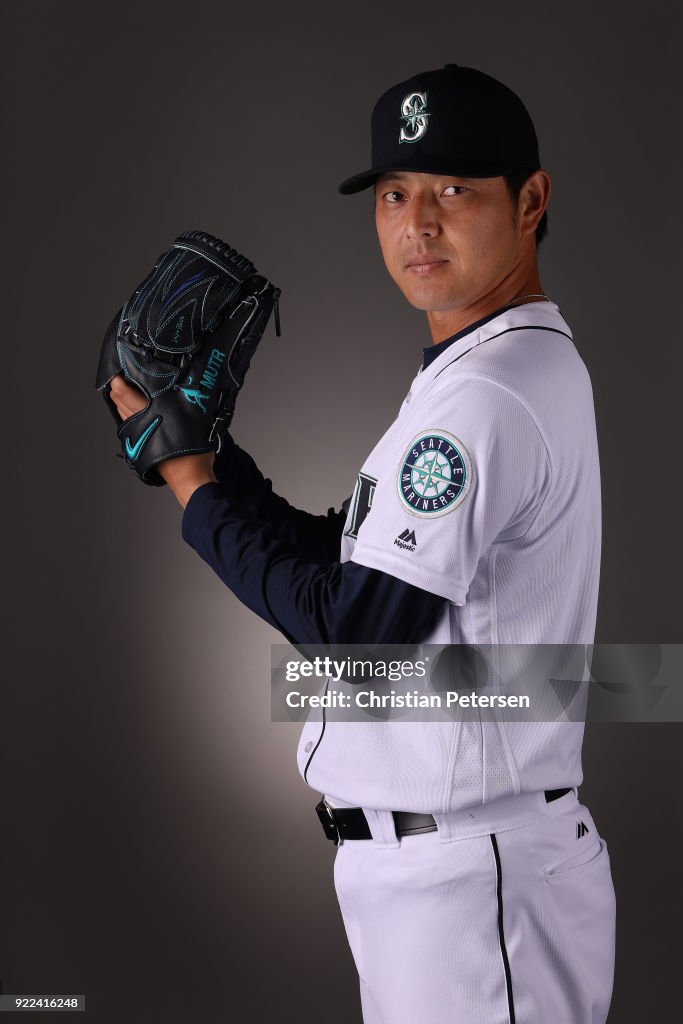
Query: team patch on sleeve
(435, 474)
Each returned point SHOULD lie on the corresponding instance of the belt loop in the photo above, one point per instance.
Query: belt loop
(444, 831)
(381, 824)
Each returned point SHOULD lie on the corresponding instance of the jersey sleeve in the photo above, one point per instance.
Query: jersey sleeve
(470, 468)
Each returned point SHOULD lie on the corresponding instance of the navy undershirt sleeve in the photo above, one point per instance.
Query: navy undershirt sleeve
(308, 601)
(317, 537)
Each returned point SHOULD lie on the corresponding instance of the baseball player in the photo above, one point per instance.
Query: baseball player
(474, 885)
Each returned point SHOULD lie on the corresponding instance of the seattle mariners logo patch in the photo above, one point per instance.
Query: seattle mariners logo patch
(435, 474)
(415, 117)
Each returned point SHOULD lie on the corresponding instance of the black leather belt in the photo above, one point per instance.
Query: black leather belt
(340, 823)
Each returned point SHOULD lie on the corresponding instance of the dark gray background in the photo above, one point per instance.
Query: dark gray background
(158, 846)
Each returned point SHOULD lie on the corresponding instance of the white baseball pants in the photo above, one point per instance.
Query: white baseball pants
(515, 926)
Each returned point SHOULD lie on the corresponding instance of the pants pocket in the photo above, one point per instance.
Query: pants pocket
(587, 857)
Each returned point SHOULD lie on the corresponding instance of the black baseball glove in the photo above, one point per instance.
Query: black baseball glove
(185, 338)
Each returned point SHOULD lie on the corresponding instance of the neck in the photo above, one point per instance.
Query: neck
(444, 323)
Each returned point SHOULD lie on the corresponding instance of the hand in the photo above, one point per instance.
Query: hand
(126, 398)
(183, 474)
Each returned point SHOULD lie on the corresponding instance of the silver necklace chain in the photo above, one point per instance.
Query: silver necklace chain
(532, 295)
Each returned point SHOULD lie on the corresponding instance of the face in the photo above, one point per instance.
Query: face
(448, 242)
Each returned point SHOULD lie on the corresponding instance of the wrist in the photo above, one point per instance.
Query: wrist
(186, 473)
(184, 491)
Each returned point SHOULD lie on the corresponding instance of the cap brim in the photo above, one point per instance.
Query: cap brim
(359, 181)
(462, 169)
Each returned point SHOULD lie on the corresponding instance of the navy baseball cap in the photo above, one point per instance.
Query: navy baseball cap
(456, 121)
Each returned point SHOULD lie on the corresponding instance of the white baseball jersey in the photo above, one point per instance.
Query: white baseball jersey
(484, 490)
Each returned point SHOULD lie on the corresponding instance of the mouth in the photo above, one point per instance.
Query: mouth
(425, 264)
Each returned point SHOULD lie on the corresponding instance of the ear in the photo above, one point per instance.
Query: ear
(533, 200)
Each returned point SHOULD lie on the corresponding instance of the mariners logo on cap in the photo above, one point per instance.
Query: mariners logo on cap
(435, 474)
(415, 117)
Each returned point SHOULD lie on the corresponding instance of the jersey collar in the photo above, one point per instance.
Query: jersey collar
(538, 314)
(432, 352)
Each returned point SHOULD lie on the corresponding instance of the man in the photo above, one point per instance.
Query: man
(474, 886)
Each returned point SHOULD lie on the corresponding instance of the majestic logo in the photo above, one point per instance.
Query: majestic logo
(406, 540)
(196, 396)
(435, 474)
(361, 503)
(133, 450)
(581, 829)
(415, 117)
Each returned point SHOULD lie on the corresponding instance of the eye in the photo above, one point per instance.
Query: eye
(393, 197)
(460, 188)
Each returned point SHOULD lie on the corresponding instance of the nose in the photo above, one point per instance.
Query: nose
(422, 221)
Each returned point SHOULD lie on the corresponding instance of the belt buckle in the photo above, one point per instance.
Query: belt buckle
(328, 822)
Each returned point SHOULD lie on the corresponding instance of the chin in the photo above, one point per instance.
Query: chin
(430, 298)
(431, 303)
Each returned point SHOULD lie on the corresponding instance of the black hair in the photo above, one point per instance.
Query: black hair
(514, 180)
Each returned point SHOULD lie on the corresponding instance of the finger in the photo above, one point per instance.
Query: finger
(128, 399)
(134, 396)
(121, 407)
